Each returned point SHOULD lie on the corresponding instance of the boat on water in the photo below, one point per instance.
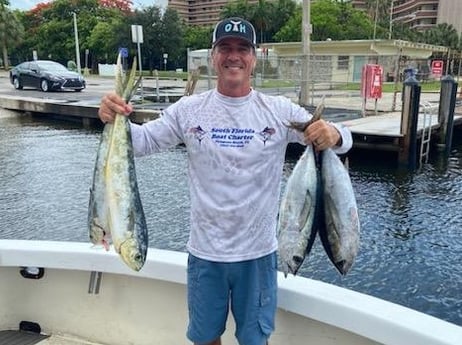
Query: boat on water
(71, 293)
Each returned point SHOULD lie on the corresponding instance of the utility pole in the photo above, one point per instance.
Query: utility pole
(77, 50)
(375, 18)
(391, 21)
(306, 32)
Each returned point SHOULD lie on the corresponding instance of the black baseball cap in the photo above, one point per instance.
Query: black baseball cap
(234, 27)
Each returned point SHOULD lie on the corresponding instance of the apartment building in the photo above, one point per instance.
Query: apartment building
(359, 4)
(421, 15)
(200, 12)
(450, 12)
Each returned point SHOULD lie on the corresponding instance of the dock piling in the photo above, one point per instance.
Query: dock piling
(446, 113)
(407, 154)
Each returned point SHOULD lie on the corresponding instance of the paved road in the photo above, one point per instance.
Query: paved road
(96, 88)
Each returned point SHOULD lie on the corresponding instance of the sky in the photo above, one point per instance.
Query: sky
(29, 4)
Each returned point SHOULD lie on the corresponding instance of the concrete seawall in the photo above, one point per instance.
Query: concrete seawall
(88, 113)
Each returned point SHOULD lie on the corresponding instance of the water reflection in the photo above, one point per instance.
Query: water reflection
(411, 224)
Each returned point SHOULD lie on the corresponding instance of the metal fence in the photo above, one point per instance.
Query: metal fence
(338, 76)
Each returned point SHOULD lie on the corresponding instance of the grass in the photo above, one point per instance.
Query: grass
(429, 86)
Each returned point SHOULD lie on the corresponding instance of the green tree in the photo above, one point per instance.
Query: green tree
(172, 38)
(261, 18)
(281, 12)
(198, 37)
(163, 33)
(267, 16)
(150, 18)
(11, 31)
(54, 35)
(403, 32)
(291, 30)
(122, 5)
(443, 35)
(102, 43)
(240, 8)
(330, 20)
(50, 30)
(380, 9)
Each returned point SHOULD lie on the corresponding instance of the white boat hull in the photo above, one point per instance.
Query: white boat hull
(149, 307)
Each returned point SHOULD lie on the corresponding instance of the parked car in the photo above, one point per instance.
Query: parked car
(45, 75)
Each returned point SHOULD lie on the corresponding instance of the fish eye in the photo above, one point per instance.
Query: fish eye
(298, 260)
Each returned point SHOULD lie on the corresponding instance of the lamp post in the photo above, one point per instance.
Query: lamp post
(77, 51)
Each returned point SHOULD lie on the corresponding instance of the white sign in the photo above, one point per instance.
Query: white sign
(137, 34)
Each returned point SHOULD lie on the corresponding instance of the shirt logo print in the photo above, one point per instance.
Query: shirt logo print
(198, 133)
(266, 134)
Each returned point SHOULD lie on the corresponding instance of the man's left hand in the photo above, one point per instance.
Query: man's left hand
(322, 135)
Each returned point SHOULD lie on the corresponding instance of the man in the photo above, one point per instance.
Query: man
(236, 139)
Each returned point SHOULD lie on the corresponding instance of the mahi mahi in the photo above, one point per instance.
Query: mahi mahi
(115, 211)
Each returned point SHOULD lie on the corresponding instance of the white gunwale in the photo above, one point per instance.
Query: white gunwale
(370, 320)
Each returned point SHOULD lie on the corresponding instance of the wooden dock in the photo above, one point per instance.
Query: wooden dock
(419, 126)
(382, 132)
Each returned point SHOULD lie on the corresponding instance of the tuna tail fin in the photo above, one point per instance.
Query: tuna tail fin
(342, 266)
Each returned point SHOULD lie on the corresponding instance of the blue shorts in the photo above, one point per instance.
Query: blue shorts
(248, 287)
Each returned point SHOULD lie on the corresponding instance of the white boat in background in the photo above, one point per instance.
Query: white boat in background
(88, 296)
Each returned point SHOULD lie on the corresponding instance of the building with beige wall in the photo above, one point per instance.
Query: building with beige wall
(422, 15)
(200, 12)
(342, 61)
(450, 12)
(332, 62)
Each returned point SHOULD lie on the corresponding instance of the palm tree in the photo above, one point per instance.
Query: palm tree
(261, 16)
(443, 35)
(11, 31)
(381, 8)
(379, 11)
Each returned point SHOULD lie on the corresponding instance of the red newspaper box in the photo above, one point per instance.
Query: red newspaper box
(437, 68)
(372, 81)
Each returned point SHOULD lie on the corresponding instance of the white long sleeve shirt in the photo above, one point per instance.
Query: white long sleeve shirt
(236, 149)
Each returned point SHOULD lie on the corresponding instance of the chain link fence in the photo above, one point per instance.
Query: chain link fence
(337, 76)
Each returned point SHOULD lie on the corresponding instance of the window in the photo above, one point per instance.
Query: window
(343, 62)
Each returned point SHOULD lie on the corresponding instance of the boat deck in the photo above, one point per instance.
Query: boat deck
(18, 337)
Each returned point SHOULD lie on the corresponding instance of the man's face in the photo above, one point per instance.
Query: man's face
(233, 60)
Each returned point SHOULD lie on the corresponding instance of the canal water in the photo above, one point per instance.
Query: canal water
(411, 222)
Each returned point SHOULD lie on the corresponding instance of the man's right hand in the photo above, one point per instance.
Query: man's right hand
(112, 104)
